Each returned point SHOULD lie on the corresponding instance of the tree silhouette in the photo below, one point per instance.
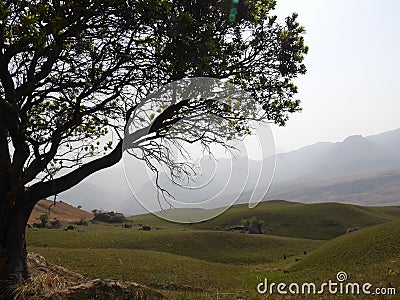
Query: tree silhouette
(72, 72)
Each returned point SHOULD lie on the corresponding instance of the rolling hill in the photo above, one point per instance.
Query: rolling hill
(368, 255)
(320, 221)
(200, 261)
(61, 211)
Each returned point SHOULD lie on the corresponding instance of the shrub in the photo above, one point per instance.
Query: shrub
(44, 219)
(254, 225)
(109, 217)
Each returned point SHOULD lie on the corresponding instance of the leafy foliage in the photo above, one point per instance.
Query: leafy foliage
(44, 218)
(253, 223)
(71, 72)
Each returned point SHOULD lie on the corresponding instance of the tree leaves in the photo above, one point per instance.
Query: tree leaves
(70, 71)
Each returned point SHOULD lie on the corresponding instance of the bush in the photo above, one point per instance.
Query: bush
(253, 225)
(109, 217)
(44, 219)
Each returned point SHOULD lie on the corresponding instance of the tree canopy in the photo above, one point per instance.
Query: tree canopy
(72, 72)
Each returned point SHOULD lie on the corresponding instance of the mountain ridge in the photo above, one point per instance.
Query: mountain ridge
(323, 165)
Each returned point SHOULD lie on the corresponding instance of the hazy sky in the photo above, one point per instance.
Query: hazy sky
(352, 84)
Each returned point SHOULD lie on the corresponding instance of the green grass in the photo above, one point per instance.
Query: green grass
(371, 254)
(144, 266)
(197, 262)
(178, 277)
(213, 246)
(321, 221)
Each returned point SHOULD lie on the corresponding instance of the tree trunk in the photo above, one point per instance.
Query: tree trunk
(13, 263)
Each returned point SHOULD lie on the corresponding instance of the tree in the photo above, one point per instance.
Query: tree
(72, 73)
(254, 224)
(97, 212)
(44, 218)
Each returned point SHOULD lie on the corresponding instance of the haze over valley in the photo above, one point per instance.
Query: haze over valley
(359, 170)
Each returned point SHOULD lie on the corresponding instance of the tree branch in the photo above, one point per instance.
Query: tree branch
(42, 190)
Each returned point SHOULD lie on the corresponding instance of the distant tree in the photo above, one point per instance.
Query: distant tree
(72, 72)
(97, 212)
(253, 224)
(109, 217)
(44, 218)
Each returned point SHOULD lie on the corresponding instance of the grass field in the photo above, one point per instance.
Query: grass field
(196, 262)
(371, 254)
(320, 221)
(204, 262)
(213, 246)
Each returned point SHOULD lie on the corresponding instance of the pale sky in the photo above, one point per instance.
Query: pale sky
(353, 81)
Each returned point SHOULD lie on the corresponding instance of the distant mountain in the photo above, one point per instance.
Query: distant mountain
(355, 156)
(316, 173)
(390, 141)
(381, 188)
(359, 170)
(106, 197)
(219, 184)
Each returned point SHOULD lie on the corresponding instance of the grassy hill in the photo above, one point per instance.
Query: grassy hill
(368, 255)
(187, 264)
(152, 268)
(213, 246)
(61, 211)
(320, 221)
(196, 262)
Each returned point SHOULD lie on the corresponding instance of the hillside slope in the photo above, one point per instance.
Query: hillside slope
(213, 246)
(319, 221)
(61, 211)
(371, 254)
